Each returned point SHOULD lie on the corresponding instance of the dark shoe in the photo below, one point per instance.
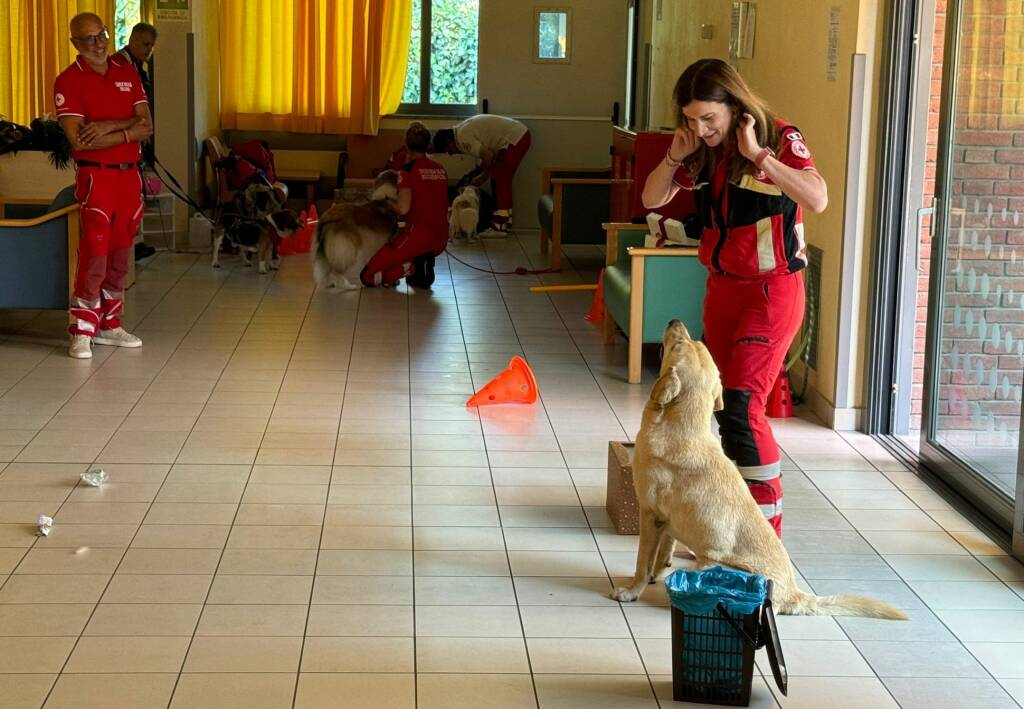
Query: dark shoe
(143, 250)
(423, 277)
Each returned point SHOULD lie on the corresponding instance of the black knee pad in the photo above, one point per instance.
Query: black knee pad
(734, 426)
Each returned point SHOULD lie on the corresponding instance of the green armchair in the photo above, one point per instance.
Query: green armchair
(39, 243)
(574, 203)
(646, 288)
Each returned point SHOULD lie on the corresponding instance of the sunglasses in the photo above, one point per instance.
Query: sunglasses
(94, 38)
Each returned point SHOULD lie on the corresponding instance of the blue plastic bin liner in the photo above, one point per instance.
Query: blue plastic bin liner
(699, 592)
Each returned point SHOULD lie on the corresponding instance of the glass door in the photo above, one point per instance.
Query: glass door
(974, 357)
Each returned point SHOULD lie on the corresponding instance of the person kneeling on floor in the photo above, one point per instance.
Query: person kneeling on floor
(423, 234)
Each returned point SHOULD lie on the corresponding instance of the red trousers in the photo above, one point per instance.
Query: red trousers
(504, 170)
(392, 262)
(748, 328)
(111, 211)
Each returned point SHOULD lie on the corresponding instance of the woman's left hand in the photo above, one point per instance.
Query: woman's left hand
(746, 139)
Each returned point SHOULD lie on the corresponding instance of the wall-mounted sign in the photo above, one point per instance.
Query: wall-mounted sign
(173, 10)
(832, 62)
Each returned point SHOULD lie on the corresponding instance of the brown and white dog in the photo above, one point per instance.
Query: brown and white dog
(255, 235)
(349, 234)
(689, 491)
(465, 214)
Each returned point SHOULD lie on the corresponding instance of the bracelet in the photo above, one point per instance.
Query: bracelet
(668, 158)
(126, 138)
(762, 156)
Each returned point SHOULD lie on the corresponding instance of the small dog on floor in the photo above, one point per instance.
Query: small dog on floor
(348, 235)
(689, 491)
(465, 214)
(255, 223)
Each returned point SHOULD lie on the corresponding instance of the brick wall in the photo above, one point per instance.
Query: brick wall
(983, 305)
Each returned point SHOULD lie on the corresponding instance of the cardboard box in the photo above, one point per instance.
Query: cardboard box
(621, 499)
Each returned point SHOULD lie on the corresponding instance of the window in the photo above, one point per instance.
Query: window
(441, 74)
(127, 13)
(553, 32)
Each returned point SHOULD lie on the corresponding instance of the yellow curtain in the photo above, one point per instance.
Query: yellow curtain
(35, 47)
(312, 66)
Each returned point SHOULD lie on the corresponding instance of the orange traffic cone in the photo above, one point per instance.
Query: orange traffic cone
(515, 385)
(780, 399)
(596, 313)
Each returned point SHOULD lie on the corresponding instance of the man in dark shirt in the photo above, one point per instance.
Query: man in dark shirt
(138, 52)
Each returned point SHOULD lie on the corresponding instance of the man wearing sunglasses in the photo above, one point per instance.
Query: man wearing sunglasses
(101, 105)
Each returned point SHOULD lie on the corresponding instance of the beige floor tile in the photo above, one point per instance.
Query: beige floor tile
(581, 691)
(26, 655)
(66, 561)
(252, 589)
(44, 619)
(26, 691)
(102, 691)
(454, 691)
(279, 514)
(31, 588)
(471, 655)
(200, 492)
(368, 515)
(274, 537)
(557, 563)
(468, 621)
(396, 538)
(169, 561)
(127, 654)
(459, 538)
(234, 691)
(204, 474)
(838, 693)
(464, 590)
(370, 494)
(355, 654)
(363, 590)
(27, 512)
(143, 619)
(244, 654)
(575, 622)
(267, 620)
(181, 536)
(290, 474)
(380, 691)
(456, 516)
(157, 588)
(191, 513)
(289, 562)
(360, 621)
(277, 493)
(9, 559)
(373, 562)
(584, 656)
(461, 563)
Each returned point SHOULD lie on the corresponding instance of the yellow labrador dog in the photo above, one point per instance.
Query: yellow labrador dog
(688, 490)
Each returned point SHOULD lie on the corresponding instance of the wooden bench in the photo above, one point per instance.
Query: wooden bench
(646, 288)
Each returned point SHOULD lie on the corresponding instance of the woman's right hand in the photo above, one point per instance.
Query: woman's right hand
(684, 144)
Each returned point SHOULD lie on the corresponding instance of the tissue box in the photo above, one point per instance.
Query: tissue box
(621, 500)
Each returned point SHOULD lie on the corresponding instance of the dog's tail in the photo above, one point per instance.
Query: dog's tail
(802, 603)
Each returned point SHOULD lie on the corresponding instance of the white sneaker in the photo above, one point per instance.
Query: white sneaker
(81, 347)
(117, 337)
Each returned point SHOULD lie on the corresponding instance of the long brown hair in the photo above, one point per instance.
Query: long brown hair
(716, 80)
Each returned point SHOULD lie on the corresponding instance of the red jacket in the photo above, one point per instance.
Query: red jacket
(750, 228)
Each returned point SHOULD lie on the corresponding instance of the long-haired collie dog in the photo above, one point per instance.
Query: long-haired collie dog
(348, 235)
(465, 214)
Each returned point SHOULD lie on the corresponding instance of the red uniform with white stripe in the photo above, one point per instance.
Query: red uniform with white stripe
(753, 245)
(426, 224)
(111, 196)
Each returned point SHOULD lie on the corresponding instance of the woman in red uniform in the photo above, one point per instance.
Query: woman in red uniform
(752, 174)
(423, 202)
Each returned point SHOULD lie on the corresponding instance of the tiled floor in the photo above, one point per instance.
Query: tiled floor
(301, 512)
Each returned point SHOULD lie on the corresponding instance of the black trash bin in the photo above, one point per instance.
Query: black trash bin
(720, 617)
